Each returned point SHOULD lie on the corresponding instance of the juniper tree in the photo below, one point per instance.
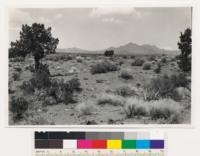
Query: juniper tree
(36, 40)
(185, 45)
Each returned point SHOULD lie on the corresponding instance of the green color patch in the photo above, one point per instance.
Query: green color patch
(128, 144)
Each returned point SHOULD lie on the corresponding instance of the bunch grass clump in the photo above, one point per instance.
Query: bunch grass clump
(110, 99)
(86, 108)
(163, 86)
(166, 109)
(135, 107)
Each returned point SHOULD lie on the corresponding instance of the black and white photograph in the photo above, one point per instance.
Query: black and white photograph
(100, 66)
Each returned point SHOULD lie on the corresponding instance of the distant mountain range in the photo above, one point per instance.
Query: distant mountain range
(127, 49)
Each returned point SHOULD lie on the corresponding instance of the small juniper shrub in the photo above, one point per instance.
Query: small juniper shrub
(147, 66)
(126, 74)
(41, 77)
(138, 62)
(103, 67)
(18, 107)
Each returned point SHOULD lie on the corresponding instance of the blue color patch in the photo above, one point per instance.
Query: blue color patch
(142, 144)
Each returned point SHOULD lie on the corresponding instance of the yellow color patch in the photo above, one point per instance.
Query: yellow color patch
(114, 144)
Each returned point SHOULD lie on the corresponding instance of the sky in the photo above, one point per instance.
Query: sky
(100, 28)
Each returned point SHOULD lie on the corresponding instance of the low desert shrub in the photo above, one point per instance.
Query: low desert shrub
(166, 109)
(151, 58)
(75, 84)
(163, 60)
(79, 59)
(132, 57)
(158, 68)
(18, 69)
(27, 87)
(103, 67)
(48, 101)
(138, 62)
(125, 91)
(16, 59)
(147, 66)
(125, 57)
(163, 86)
(85, 108)
(16, 76)
(126, 74)
(63, 91)
(111, 99)
(135, 107)
(31, 68)
(18, 107)
(41, 78)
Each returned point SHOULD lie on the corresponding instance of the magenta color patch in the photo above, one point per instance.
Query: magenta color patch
(84, 144)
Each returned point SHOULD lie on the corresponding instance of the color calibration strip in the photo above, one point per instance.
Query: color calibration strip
(73, 143)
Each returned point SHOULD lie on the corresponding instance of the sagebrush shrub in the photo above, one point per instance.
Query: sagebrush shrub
(16, 76)
(151, 58)
(18, 69)
(125, 91)
(147, 66)
(126, 74)
(158, 68)
(28, 87)
(63, 91)
(138, 62)
(75, 84)
(163, 60)
(103, 67)
(18, 107)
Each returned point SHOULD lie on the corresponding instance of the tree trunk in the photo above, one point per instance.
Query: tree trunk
(37, 64)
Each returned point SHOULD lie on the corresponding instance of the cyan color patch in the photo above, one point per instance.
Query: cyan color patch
(142, 144)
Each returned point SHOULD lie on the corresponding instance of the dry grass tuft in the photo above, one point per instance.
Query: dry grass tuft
(111, 99)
